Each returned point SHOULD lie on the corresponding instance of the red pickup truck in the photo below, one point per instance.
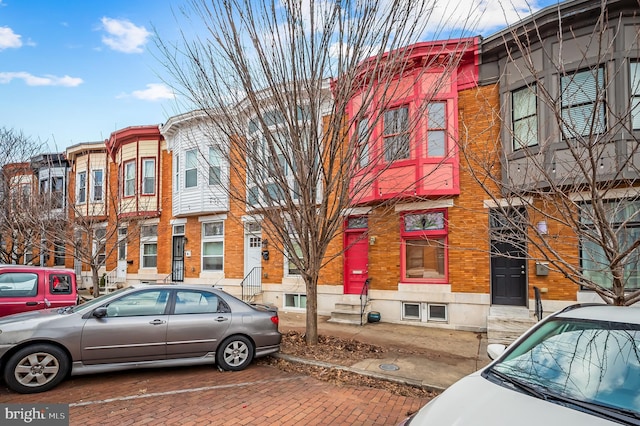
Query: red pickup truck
(29, 288)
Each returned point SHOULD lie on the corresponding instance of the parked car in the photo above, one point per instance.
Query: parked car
(135, 327)
(29, 288)
(580, 366)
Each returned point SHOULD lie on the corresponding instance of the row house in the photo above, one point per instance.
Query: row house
(568, 84)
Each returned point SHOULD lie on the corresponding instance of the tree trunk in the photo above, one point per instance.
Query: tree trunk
(96, 282)
(312, 311)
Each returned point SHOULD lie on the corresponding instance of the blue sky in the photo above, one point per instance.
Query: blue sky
(74, 71)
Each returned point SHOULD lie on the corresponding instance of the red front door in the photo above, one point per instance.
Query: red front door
(356, 263)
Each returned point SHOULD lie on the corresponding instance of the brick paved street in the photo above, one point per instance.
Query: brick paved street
(205, 396)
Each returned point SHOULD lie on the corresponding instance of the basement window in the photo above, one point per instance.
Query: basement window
(410, 311)
(295, 300)
(437, 312)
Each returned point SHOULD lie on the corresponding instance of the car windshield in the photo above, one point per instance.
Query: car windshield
(592, 361)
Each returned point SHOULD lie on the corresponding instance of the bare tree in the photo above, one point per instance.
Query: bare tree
(292, 91)
(564, 173)
(93, 229)
(19, 213)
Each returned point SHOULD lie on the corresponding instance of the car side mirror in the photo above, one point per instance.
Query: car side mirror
(494, 350)
(101, 312)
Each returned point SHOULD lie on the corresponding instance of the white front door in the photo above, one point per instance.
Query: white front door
(252, 247)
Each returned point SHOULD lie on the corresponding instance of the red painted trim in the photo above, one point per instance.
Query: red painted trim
(440, 234)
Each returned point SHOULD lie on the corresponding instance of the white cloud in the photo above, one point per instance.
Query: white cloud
(153, 92)
(46, 80)
(124, 36)
(9, 39)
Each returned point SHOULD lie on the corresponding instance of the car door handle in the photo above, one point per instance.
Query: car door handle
(157, 322)
(32, 303)
(221, 319)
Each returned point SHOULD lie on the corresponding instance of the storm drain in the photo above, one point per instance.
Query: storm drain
(389, 367)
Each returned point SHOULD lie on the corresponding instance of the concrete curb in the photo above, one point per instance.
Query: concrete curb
(403, 381)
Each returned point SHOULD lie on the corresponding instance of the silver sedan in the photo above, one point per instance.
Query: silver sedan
(135, 327)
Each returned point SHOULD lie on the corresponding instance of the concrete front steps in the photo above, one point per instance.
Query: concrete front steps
(506, 323)
(348, 313)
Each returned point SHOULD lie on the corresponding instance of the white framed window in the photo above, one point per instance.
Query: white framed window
(212, 246)
(122, 243)
(149, 176)
(176, 165)
(100, 245)
(129, 188)
(583, 104)
(437, 312)
(191, 169)
(411, 311)
(215, 159)
(436, 129)
(149, 245)
(524, 117)
(396, 134)
(98, 184)
(292, 269)
(81, 197)
(295, 300)
(634, 77)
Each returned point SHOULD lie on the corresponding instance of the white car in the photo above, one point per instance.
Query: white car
(579, 366)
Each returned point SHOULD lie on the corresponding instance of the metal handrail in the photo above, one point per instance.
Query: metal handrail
(252, 284)
(364, 298)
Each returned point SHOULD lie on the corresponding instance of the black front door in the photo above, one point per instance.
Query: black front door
(508, 275)
(177, 264)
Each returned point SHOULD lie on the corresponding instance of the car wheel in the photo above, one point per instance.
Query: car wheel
(36, 368)
(235, 353)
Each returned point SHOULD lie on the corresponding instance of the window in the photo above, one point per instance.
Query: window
(277, 162)
(100, 245)
(362, 142)
(212, 246)
(18, 284)
(295, 300)
(129, 179)
(149, 176)
(140, 303)
(583, 106)
(176, 183)
(214, 166)
(396, 134)
(57, 192)
(424, 239)
(199, 302)
(82, 188)
(98, 182)
(437, 312)
(624, 219)
(410, 311)
(191, 169)
(60, 284)
(58, 253)
(292, 269)
(122, 243)
(437, 128)
(149, 242)
(634, 77)
(524, 119)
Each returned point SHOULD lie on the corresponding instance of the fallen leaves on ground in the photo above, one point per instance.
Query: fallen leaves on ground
(339, 351)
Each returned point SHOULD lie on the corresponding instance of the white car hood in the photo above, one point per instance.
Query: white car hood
(475, 401)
